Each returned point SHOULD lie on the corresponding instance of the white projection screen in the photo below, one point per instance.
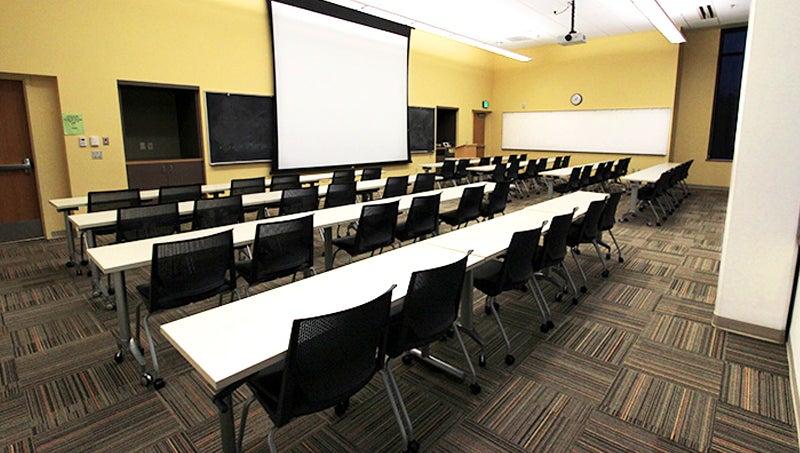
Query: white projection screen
(341, 87)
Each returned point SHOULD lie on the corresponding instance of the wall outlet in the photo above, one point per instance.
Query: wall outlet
(82, 142)
(97, 155)
(142, 146)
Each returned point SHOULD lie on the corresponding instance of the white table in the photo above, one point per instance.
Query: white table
(642, 177)
(562, 173)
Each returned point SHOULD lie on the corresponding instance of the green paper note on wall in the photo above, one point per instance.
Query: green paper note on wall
(73, 123)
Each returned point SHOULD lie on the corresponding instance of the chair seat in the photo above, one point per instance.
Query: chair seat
(197, 295)
(266, 386)
(485, 278)
(245, 269)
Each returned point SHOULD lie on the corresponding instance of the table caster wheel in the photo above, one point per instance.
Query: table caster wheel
(604, 274)
(550, 325)
(543, 328)
(118, 357)
(412, 447)
(147, 379)
(510, 359)
(159, 384)
(475, 388)
(620, 260)
(559, 296)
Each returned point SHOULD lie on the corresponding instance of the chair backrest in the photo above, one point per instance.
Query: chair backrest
(565, 161)
(340, 194)
(331, 357)
(213, 212)
(249, 185)
(557, 162)
(513, 158)
(461, 168)
(429, 308)
(499, 173)
(497, 160)
(395, 186)
(469, 207)
(590, 227)
(484, 161)
(283, 248)
(541, 164)
(371, 173)
(424, 182)
(517, 266)
(574, 181)
(348, 175)
(512, 170)
(299, 200)
(423, 215)
(141, 222)
(608, 219)
(523, 157)
(110, 200)
(283, 182)
(586, 175)
(624, 163)
(187, 271)
(176, 194)
(497, 199)
(554, 245)
(376, 225)
(448, 170)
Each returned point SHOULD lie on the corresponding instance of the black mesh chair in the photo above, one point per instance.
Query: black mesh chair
(371, 173)
(513, 271)
(376, 230)
(395, 186)
(469, 208)
(565, 161)
(430, 310)
(422, 218)
(530, 175)
(108, 200)
(299, 200)
(496, 202)
(484, 161)
(214, 212)
(512, 173)
(283, 182)
(176, 194)
(348, 175)
(572, 184)
(142, 222)
(340, 194)
(424, 182)
(550, 256)
(280, 249)
(651, 194)
(246, 186)
(587, 231)
(607, 222)
(556, 163)
(586, 176)
(329, 359)
(447, 172)
(461, 172)
(499, 173)
(181, 273)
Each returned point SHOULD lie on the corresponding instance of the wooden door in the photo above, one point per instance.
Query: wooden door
(20, 217)
(479, 131)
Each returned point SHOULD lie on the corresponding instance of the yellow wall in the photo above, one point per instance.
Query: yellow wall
(692, 123)
(630, 71)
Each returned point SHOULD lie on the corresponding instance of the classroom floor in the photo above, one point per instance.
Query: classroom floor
(635, 366)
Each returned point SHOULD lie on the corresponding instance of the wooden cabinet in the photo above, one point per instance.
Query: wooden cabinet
(470, 150)
(153, 174)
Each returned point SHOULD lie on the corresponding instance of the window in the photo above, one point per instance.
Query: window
(726, 96)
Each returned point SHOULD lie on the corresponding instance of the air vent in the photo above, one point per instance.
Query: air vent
(518, 38)
(706, 12)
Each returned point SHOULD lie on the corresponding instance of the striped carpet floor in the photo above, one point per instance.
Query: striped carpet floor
(634, 367)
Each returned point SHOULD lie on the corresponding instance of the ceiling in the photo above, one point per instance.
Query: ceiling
(515, 24)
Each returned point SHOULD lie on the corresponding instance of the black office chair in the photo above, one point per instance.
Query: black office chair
(395, 186)
(587, 231)
(176, 194)
(514, 270)
(556, 163)
(424, 182)
(376, 230)
(461, 172)
(142, 222)
(650, 195)
(550, 256)
(565, 161)
(530, 175)
(107, 200)
(446, 173)
(469, 208)
(484, 161)
(283, 182)
(371, 173)
(497, 160)
(299, 200)
(496, 203)
(181, 273)
(499, 173)
(572, 184)
(340, 194)
(348, 175)
(430, 310)
(586, 176)
(422, 218)
(329, 359)
(512, 173)
(214, 212)
(280, 249)
(250, 185)
(607, 222)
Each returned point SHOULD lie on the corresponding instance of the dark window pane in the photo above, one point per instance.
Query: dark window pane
(733, 40)
(726, 96)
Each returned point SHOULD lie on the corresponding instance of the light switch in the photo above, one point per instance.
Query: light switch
(82, 142)
(94, 141)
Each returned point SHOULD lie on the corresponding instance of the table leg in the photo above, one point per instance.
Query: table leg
(634, 201)
(97, 287)
(224, 404)
(328, 235)
(123, 323)
(550, 182)
(70, 240)
(465, 318)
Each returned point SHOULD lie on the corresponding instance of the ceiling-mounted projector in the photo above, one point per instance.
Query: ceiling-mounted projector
(571, 38)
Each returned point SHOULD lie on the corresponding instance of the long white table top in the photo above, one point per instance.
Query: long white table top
(490, 168)
(566, 171)
(650, 174)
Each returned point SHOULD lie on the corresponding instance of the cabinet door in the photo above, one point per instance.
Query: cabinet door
(147, 176)
(185, 173)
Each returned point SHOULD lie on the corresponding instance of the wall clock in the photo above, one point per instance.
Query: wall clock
(576, 99)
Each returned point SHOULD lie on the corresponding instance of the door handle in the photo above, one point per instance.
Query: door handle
(26, 166)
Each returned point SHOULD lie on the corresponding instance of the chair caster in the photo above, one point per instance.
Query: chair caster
(604, 273)
(89, 273)
(475, 388)
(159, 384)
(543, 328)
(412, 447)
(118, 357)
(559, 296)
(550, 325)
(510, 359)
(574, 301)
(84, 262)
(584, 289)
(78, 271)
(70, 264)
(341, 408)
(608, 256)
(407, 359)
(620, 260)
(111, 291)
(111, 306)
(450, 332)
(146, 379)
(482, 361)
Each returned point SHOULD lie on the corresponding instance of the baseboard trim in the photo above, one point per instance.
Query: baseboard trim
(749, 330)
(793, 386)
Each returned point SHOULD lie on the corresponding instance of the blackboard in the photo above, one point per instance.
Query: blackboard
(241, 128)
(421, 129)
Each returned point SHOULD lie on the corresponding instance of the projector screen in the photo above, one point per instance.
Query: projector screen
(341, 87)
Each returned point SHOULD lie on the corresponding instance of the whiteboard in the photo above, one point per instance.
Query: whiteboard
(623, 131)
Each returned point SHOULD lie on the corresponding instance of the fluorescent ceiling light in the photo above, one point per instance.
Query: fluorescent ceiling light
(656, 15)
(378, 12)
